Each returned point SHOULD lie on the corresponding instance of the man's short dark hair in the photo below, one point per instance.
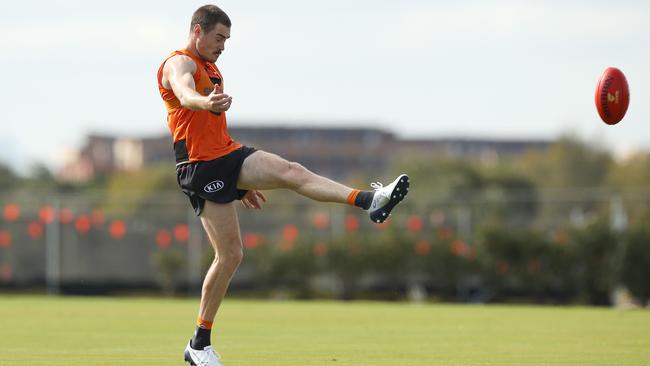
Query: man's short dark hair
(208, 16)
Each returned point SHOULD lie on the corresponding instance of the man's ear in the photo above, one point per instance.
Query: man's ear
(196, 30)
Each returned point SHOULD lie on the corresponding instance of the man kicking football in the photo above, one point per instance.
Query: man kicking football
(213, 170)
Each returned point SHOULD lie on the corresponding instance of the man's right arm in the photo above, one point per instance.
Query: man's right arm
(178, 72)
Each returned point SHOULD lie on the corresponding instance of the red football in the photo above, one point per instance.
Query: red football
(612, 96)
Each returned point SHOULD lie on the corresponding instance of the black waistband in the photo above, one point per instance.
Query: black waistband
(180, 151)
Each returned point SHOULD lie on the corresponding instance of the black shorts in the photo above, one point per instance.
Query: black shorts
(214, 180)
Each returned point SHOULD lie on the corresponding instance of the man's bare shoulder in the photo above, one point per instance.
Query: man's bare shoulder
(180, 63)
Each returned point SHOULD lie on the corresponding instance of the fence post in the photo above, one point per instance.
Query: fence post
(53, 251)
(618, 216)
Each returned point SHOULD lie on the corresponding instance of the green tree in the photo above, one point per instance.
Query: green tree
(513, 260)
(439, 178)
(598, 256)
(127, 193)
(169, 262)
(631, 179)
(565, 177)
(569, 163)
(509, 198)
(632, 172)
(8, 179)
(635, 271)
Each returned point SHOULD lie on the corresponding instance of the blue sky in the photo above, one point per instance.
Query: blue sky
(495, 69)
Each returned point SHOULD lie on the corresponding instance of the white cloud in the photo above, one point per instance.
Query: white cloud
(522, 21)
(133, 32)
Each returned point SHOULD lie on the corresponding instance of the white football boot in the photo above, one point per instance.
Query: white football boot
(206, 357)
(386, 198)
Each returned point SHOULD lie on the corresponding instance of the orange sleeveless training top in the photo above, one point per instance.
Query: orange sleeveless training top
(199, 135)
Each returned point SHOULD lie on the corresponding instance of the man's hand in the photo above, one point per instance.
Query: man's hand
(217, 101)
(253, 199)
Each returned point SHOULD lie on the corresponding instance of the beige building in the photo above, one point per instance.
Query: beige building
(333, 152)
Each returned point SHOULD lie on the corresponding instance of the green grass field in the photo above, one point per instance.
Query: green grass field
(125, 331)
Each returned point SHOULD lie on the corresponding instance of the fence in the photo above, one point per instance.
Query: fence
(94, 244)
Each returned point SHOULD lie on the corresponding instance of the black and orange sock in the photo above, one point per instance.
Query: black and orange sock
(202, 334)
(361, 199)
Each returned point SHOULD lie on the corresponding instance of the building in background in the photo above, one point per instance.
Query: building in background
(104, 154)
(337, 153)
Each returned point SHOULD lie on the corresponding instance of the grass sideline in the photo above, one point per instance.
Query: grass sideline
(40, 330)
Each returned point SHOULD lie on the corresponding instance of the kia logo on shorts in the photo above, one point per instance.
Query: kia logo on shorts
(213, 186)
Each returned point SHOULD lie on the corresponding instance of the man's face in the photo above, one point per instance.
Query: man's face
(211, 44)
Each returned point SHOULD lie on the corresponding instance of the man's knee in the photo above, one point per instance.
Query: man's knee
(294, 174)
(230, 258)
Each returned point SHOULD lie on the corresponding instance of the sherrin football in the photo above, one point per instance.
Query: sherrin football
(612, 96)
